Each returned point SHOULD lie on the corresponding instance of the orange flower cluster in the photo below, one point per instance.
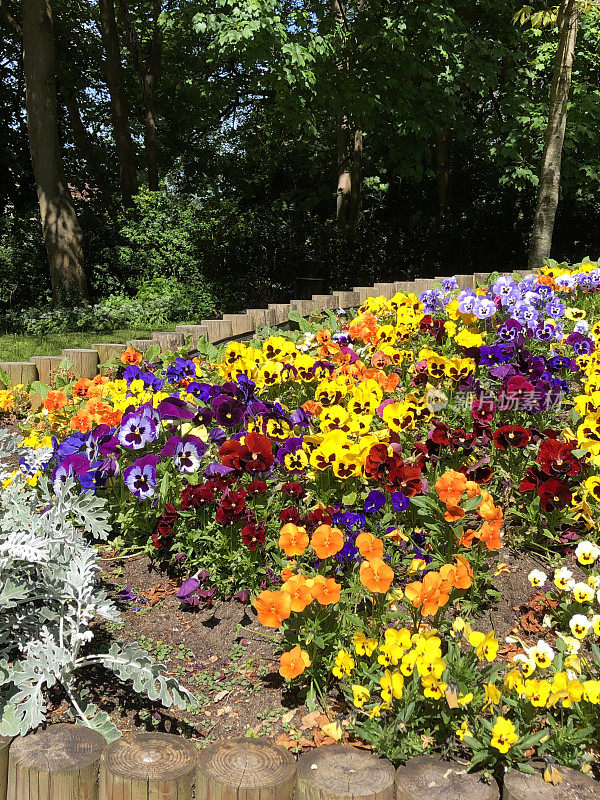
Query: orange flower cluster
(433, 592)
(450, 489)
(326, 541)
(364, 327)
(375, 575)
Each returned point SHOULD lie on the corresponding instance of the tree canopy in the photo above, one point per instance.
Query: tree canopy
(251, 142)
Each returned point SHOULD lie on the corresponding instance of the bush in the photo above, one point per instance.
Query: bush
(159, 301)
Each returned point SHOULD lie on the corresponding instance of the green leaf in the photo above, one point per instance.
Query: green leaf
(37, 387)
(152, 352)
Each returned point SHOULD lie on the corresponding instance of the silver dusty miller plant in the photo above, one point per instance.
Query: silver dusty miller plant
(49, 595)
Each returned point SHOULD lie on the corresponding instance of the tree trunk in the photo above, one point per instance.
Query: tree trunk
(344, 184)
(148, 72)
(547, 201)
(150, 144)
(355, 177)
(343, 157)
(349, 137)
(443, 169)
(84, 141)
(60, 226)
(118, 101)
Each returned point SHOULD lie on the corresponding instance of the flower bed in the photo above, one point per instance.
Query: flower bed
(359, 482)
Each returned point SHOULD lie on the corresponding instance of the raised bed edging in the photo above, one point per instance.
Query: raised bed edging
(86, 362)
(72, 762)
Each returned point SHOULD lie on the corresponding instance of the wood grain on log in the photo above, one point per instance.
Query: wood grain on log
(141, 345)
(431, 778)
(148, 766)
(84, 362)
(108, 351)
(340, 772)
(4, 745)
(47, 367)
(168, 340)
(19, 372)
(57, 763)
(574, 786)
(245, 769)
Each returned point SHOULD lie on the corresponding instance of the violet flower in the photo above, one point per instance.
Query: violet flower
(136, 430)
(140, 477)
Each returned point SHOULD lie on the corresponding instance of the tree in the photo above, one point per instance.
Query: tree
(60, 226)
(147, 67)
(118, 101)
(549, 185)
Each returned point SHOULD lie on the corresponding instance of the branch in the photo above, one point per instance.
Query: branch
(12, 21)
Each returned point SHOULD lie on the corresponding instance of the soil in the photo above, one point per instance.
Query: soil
(219, 653)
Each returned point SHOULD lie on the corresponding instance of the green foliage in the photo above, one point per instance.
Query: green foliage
(49, 596)
(249, 99)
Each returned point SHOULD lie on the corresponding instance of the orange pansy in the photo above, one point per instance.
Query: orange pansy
(326, 591)
(293, 540)
(82, 421)
(450, 487)
(131, 356)
(430, 594)
(54, 401)
(369, 546)
(81, 387)
(293, 663)
(453, 513)
(376, 575)
(327, 541)
(299, 593)
(273, 608)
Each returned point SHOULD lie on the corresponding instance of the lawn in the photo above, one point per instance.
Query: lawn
(19, 347)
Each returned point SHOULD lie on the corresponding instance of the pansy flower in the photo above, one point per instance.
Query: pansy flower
(137, 429)
(71, 466)
(140, 477)
(511, 436)
(229, 411)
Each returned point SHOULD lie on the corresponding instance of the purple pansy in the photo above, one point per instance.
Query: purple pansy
(140, 477)
(137, 429)
(229, 411)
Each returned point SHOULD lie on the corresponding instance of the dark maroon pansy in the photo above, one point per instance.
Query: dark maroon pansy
(554, 494)
(556, 458)
(511, 436)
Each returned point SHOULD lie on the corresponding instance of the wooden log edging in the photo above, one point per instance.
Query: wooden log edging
(87, 362)
(342, 772)
(72, 762)
(573, 786)
(4, 745)
(245, 769)
(432, 778)
(148, 766)
(57, 763)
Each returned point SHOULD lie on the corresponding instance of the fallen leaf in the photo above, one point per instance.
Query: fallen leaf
(451, 698)
(334, 730)
(310, 720)
(221, 695)
(289, 716)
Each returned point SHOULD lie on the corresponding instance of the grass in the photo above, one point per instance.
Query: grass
(17, 347)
